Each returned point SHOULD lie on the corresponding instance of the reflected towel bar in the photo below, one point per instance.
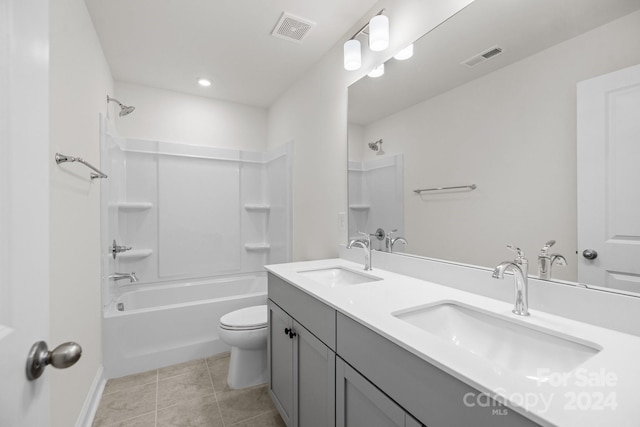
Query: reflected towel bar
(61, 158)
(459, 187)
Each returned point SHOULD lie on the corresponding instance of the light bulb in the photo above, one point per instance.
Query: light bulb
(352, 55)
(405, 53)
(204, 82)
(377, 72)
(378, 33)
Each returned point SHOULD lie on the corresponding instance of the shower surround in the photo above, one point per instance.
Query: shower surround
(191, 214)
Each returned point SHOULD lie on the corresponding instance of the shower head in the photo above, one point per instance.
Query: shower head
(377, 146)
(124, 110)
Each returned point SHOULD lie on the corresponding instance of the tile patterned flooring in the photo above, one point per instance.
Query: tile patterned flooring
(191, 394)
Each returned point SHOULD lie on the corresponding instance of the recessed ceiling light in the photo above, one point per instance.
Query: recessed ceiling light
(204, 82)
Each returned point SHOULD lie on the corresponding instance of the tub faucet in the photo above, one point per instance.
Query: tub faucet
(120, 276)
(546, 260)
(364, 244)
(519, 266)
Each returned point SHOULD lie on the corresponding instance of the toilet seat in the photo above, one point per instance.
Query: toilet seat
(245, 319)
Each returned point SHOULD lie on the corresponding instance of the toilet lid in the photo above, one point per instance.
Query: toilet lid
(246, 318)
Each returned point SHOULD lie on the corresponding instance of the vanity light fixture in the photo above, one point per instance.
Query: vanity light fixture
(352, 55)
(204, 82)
(378, 31)
(377, 72)
(405, 53)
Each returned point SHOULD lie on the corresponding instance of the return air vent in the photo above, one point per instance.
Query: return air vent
(481, 57)
(292, 28)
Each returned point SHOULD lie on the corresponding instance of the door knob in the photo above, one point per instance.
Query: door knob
(590, 254)
(61, 357)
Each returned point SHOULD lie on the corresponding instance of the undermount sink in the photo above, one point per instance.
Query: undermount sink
(534, 353)
(335, 277)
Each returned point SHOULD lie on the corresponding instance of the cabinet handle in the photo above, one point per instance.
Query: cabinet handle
(287, 331)
(292, 333)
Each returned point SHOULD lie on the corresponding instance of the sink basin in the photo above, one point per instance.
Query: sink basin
(336, 277)
(534, 353)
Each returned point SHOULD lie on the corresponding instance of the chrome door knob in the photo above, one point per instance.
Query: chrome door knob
(590, 254)
(61, 357)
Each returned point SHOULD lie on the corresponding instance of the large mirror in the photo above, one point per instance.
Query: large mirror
(488, 104)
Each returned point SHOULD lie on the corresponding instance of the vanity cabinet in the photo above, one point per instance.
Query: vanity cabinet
(430, 394)
(326, 369)
(301, 365)
(360, 404)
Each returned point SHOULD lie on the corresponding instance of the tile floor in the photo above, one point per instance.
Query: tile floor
(191, 394)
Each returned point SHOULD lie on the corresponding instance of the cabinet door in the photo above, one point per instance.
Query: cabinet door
(280, 355)
(360, 404)
(314, 367)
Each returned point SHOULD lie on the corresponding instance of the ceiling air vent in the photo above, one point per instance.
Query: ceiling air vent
(292, 28)
(481, 57)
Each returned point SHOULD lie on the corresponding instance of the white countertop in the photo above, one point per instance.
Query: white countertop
(603, 391)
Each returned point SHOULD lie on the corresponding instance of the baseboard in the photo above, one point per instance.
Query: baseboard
(88, 412)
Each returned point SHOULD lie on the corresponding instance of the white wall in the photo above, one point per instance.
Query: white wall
(513, 133)
(163, 115)
(79, 81)
(313, 114)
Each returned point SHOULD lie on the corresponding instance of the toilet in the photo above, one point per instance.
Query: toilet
(245, 330)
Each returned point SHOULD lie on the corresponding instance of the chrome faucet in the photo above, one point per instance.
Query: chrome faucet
(546, 260)
(389, 242)
(364, 244)
(120, 276)
(520, 267)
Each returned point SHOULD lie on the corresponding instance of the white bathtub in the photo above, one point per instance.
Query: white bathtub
(167, 324)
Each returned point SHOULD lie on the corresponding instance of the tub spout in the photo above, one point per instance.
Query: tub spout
(120, 276)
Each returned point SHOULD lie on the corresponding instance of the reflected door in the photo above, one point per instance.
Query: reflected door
(609, 180)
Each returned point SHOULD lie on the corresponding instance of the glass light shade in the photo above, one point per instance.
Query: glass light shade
(377, 72)
(405, 53)
(378, 33)
(352, 55)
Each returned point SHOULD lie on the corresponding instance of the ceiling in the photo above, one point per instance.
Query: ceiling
(168, 44)
(521, 28)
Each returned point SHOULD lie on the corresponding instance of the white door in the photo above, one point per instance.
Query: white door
(24, 200)
(609, 180)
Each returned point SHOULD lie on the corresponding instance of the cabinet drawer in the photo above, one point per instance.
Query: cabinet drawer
(436, 398)
(317, 317)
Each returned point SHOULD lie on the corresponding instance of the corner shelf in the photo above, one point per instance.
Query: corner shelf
(133, 206)
(257, 247)
(257, 208)
(359, 207)
(135, 254)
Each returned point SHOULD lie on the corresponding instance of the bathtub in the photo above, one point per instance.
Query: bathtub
(161, 325)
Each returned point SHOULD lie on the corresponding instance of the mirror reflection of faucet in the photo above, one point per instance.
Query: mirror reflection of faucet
(520, 267)
(389, 242)
(546, 261)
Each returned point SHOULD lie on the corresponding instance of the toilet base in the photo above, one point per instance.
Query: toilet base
(247, 367)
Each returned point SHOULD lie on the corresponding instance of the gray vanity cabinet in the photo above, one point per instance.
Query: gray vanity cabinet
(327, 370)
(360, 404)
(431, 395)
(301, 365)
(280, 363)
